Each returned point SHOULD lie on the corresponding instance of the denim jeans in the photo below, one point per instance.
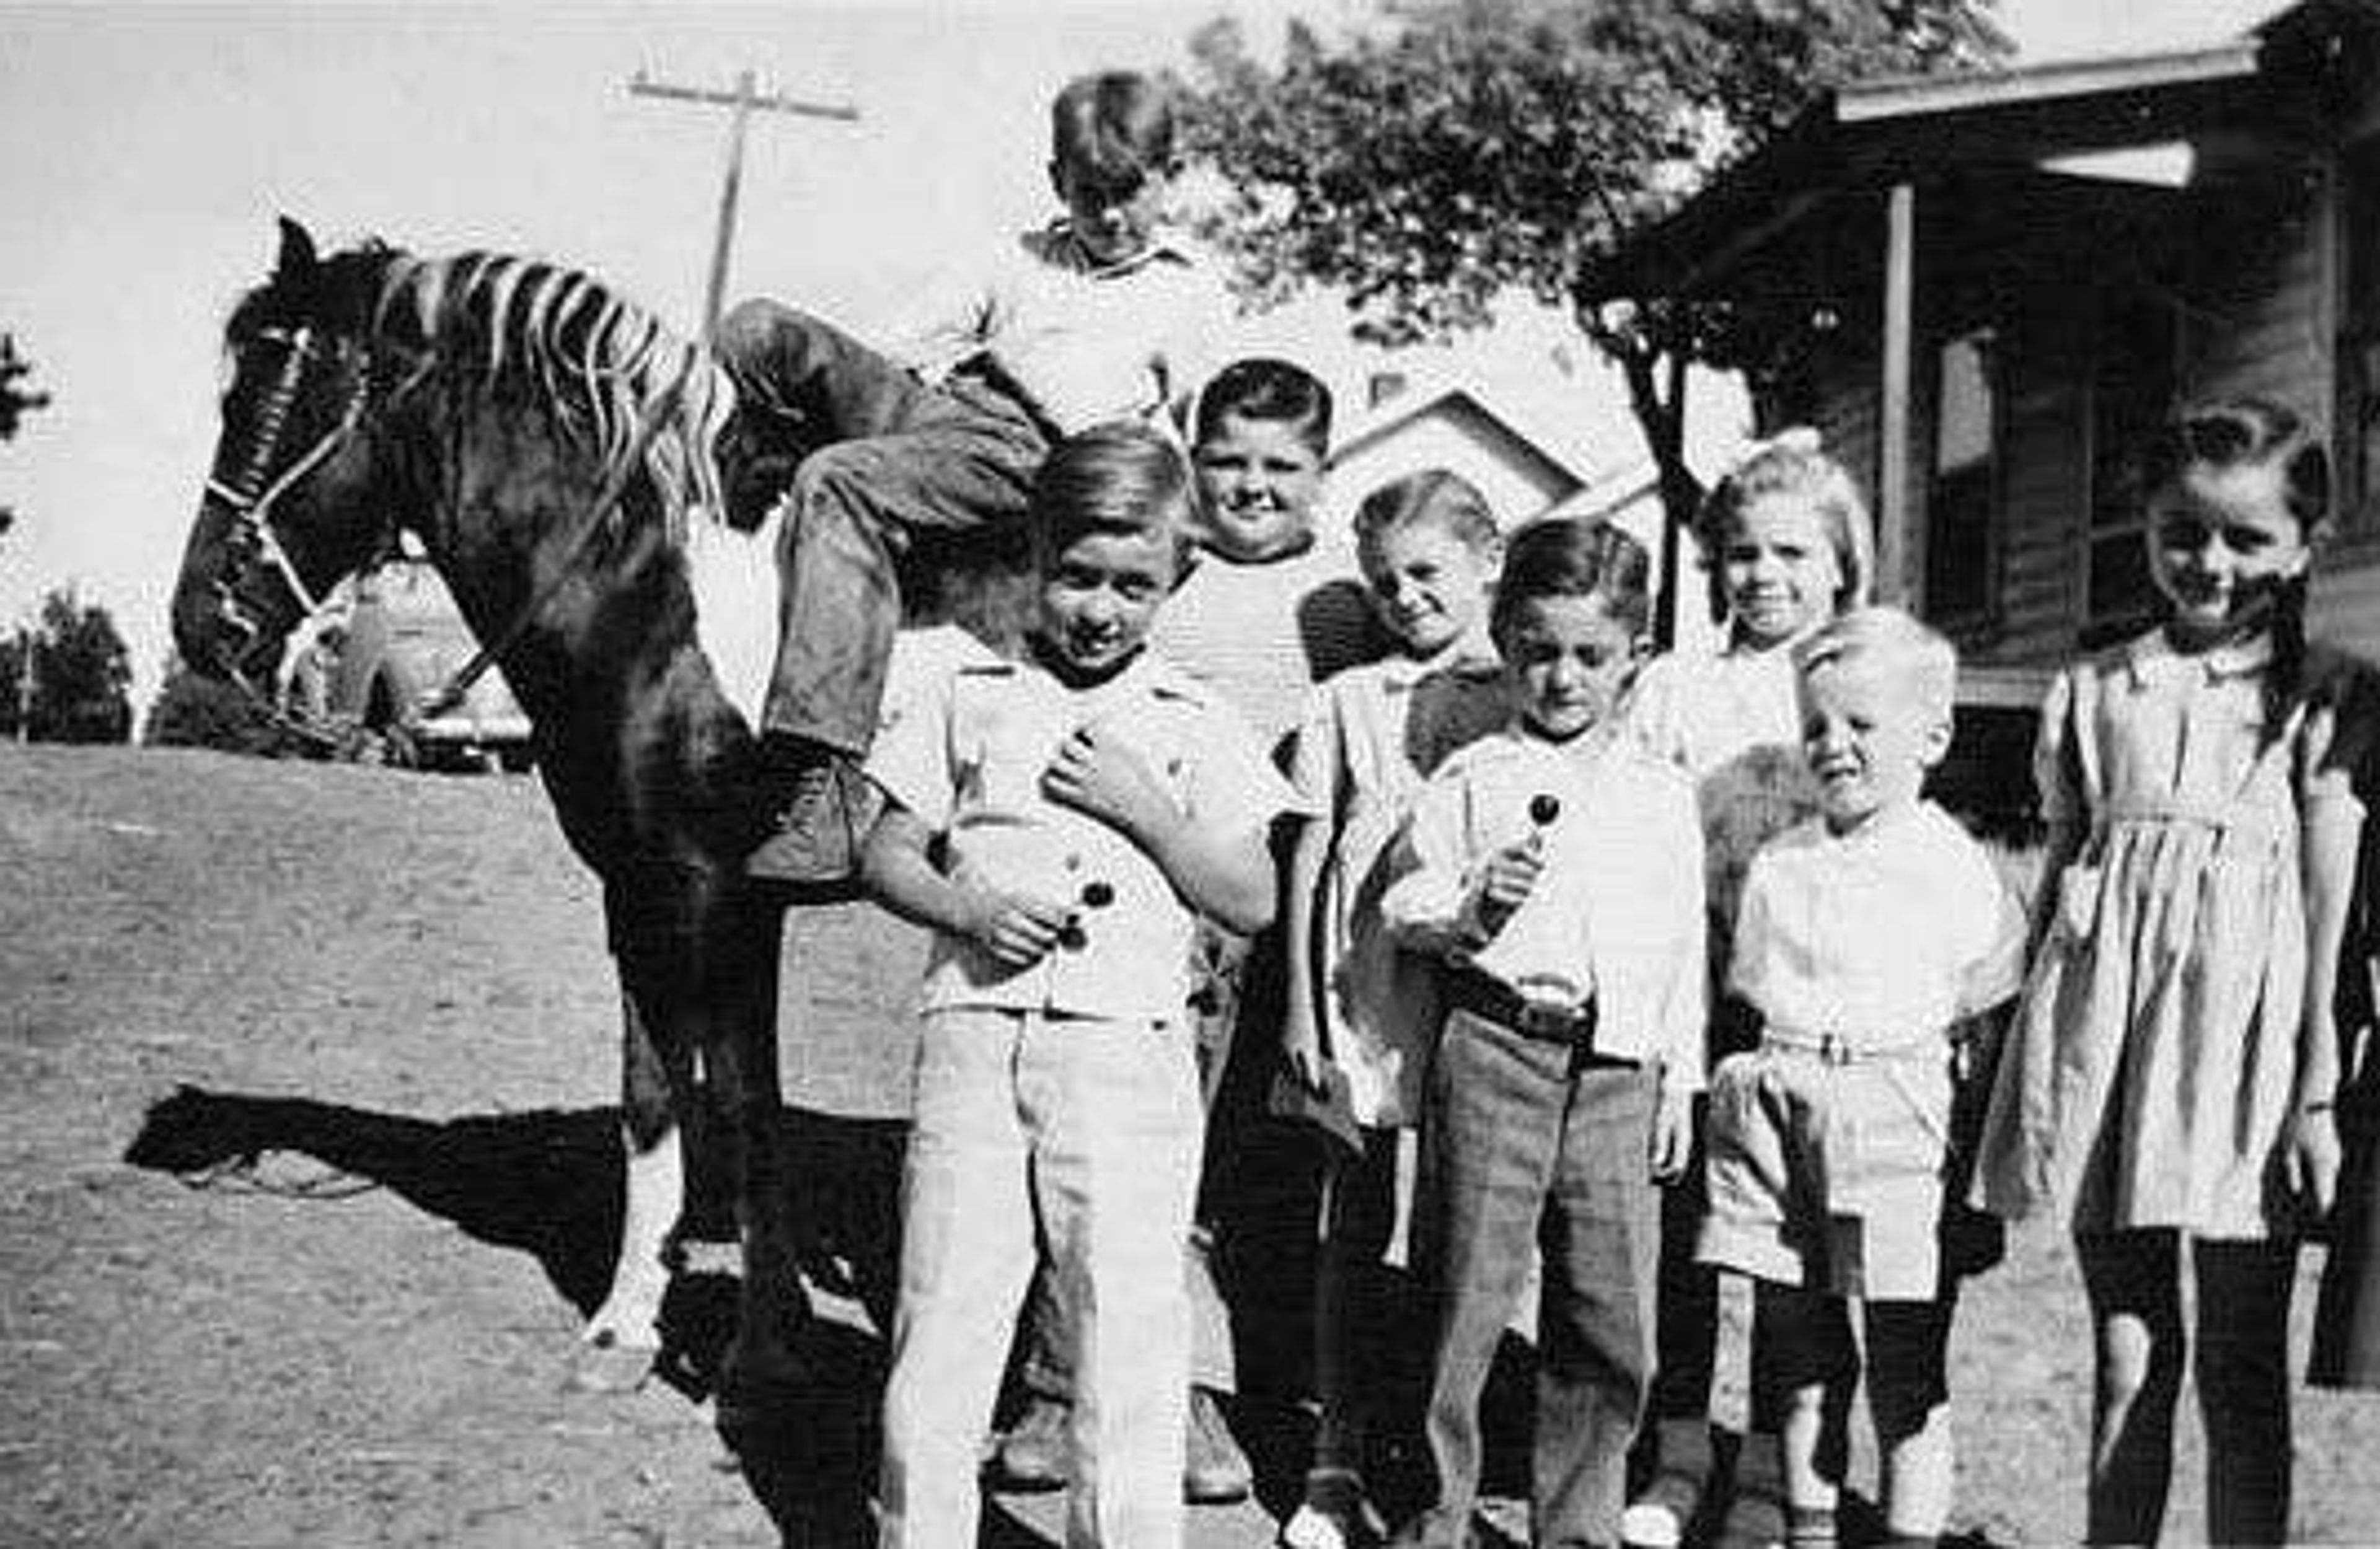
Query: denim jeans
(1094, 1127)
(1522, 1150)
(886, 460)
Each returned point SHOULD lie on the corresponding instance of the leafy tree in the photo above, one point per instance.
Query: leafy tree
(1457, 149)
(16, 401)
(70, 678)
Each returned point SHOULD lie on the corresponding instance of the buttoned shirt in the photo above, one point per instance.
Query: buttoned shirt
(1616, 915)
(1085, 343)
(967, 757)
(1877, 939)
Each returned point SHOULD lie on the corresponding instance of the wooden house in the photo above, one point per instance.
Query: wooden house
(1984, 289)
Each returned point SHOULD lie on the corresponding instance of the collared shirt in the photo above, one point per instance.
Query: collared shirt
(1879, 937)
(1616, 915)
(1263, 634)
(1084, 343)
(1733, 722)
(967, 757)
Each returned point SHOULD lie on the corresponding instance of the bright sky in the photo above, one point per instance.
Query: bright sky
(148, 147)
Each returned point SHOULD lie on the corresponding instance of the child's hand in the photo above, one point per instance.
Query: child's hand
(1016, 929)
(1096, 774)
(2309, 1153)
(1506, 881)
(1673, 1133)
(1300, 1045)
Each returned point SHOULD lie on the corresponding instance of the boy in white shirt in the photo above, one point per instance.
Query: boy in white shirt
(1864, 935)
(1547, 873)
(932, 439)
(1062, 821)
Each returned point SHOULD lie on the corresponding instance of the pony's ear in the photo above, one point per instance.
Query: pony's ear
(296, 261)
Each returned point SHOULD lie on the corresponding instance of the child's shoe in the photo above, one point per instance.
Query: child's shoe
(1334, 1515)
(1214, 1471)
(1033, 1455)
(815, 841)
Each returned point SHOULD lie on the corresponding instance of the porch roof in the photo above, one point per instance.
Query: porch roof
(1862, 139)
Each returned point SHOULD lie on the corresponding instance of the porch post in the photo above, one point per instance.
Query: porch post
(1892, 503)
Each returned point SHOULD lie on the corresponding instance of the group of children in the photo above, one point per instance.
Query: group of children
(1667, 960)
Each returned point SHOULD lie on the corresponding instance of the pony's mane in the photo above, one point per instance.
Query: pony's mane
(599, 362)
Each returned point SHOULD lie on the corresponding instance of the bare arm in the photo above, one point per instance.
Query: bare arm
(900, 873)
(2333, 832)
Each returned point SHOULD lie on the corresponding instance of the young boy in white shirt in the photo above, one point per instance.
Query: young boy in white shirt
(929, 433)
(1864, 935)
(1062, 822)
(1553, 872)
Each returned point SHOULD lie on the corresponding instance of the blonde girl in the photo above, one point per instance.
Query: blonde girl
(1362, 1014)
(2167, 1084)
(1785, 540)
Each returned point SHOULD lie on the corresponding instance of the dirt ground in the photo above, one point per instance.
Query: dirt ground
(406, 972)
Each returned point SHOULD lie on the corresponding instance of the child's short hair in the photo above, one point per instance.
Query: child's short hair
(1263, 387)
(1574, 557)
(1118, 477)
(1115, 128)
(1792, 463)
(1918, 655)
(1433, 495)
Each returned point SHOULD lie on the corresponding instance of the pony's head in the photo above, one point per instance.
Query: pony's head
(289, 507)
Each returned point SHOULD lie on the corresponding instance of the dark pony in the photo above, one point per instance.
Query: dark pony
(547, 443)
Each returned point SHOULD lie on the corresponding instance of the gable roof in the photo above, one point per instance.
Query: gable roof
(1559, 459)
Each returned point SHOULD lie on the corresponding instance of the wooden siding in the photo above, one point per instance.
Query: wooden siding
(2258, 321)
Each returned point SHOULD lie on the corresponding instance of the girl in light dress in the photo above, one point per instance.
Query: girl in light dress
(1785, 538)
(2168, 1087)
(1361, 1012)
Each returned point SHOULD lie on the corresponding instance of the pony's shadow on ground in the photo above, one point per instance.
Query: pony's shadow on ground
(551, 1183)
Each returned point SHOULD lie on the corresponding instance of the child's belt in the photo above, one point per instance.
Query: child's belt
(1484, 995)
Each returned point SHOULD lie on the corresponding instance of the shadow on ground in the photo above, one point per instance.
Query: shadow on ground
(550, 1183)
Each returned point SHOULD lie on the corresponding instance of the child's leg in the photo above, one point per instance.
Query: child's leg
(1358, 1208)
(1675, 1448)
(1908, 1393)
(1595, 1329)
(2133, 1281)
(855, 506)
(966, 1251)
(1113, 1109)
(1491, 1132)
(2243, 1386)
(1806, 1368)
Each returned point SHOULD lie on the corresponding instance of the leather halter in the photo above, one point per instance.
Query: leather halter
(252, 499)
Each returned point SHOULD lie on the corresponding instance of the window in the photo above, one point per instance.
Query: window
(1963, 498)
(2132, 380)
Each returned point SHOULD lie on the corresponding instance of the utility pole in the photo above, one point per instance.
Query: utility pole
(742, 102)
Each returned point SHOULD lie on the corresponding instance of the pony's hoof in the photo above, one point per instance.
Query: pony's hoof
(605, 1364)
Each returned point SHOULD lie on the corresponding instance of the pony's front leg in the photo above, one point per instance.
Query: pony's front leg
(657, 1087)
(761, 1373)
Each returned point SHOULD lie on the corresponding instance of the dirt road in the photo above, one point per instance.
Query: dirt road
(292, 1360)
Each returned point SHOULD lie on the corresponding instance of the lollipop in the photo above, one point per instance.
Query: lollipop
(1095, 895)
(1544, 809)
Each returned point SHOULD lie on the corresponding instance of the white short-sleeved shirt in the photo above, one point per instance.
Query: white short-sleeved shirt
(966, 758)
(1877, 937)
(1617, 913)
(1086, 342)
